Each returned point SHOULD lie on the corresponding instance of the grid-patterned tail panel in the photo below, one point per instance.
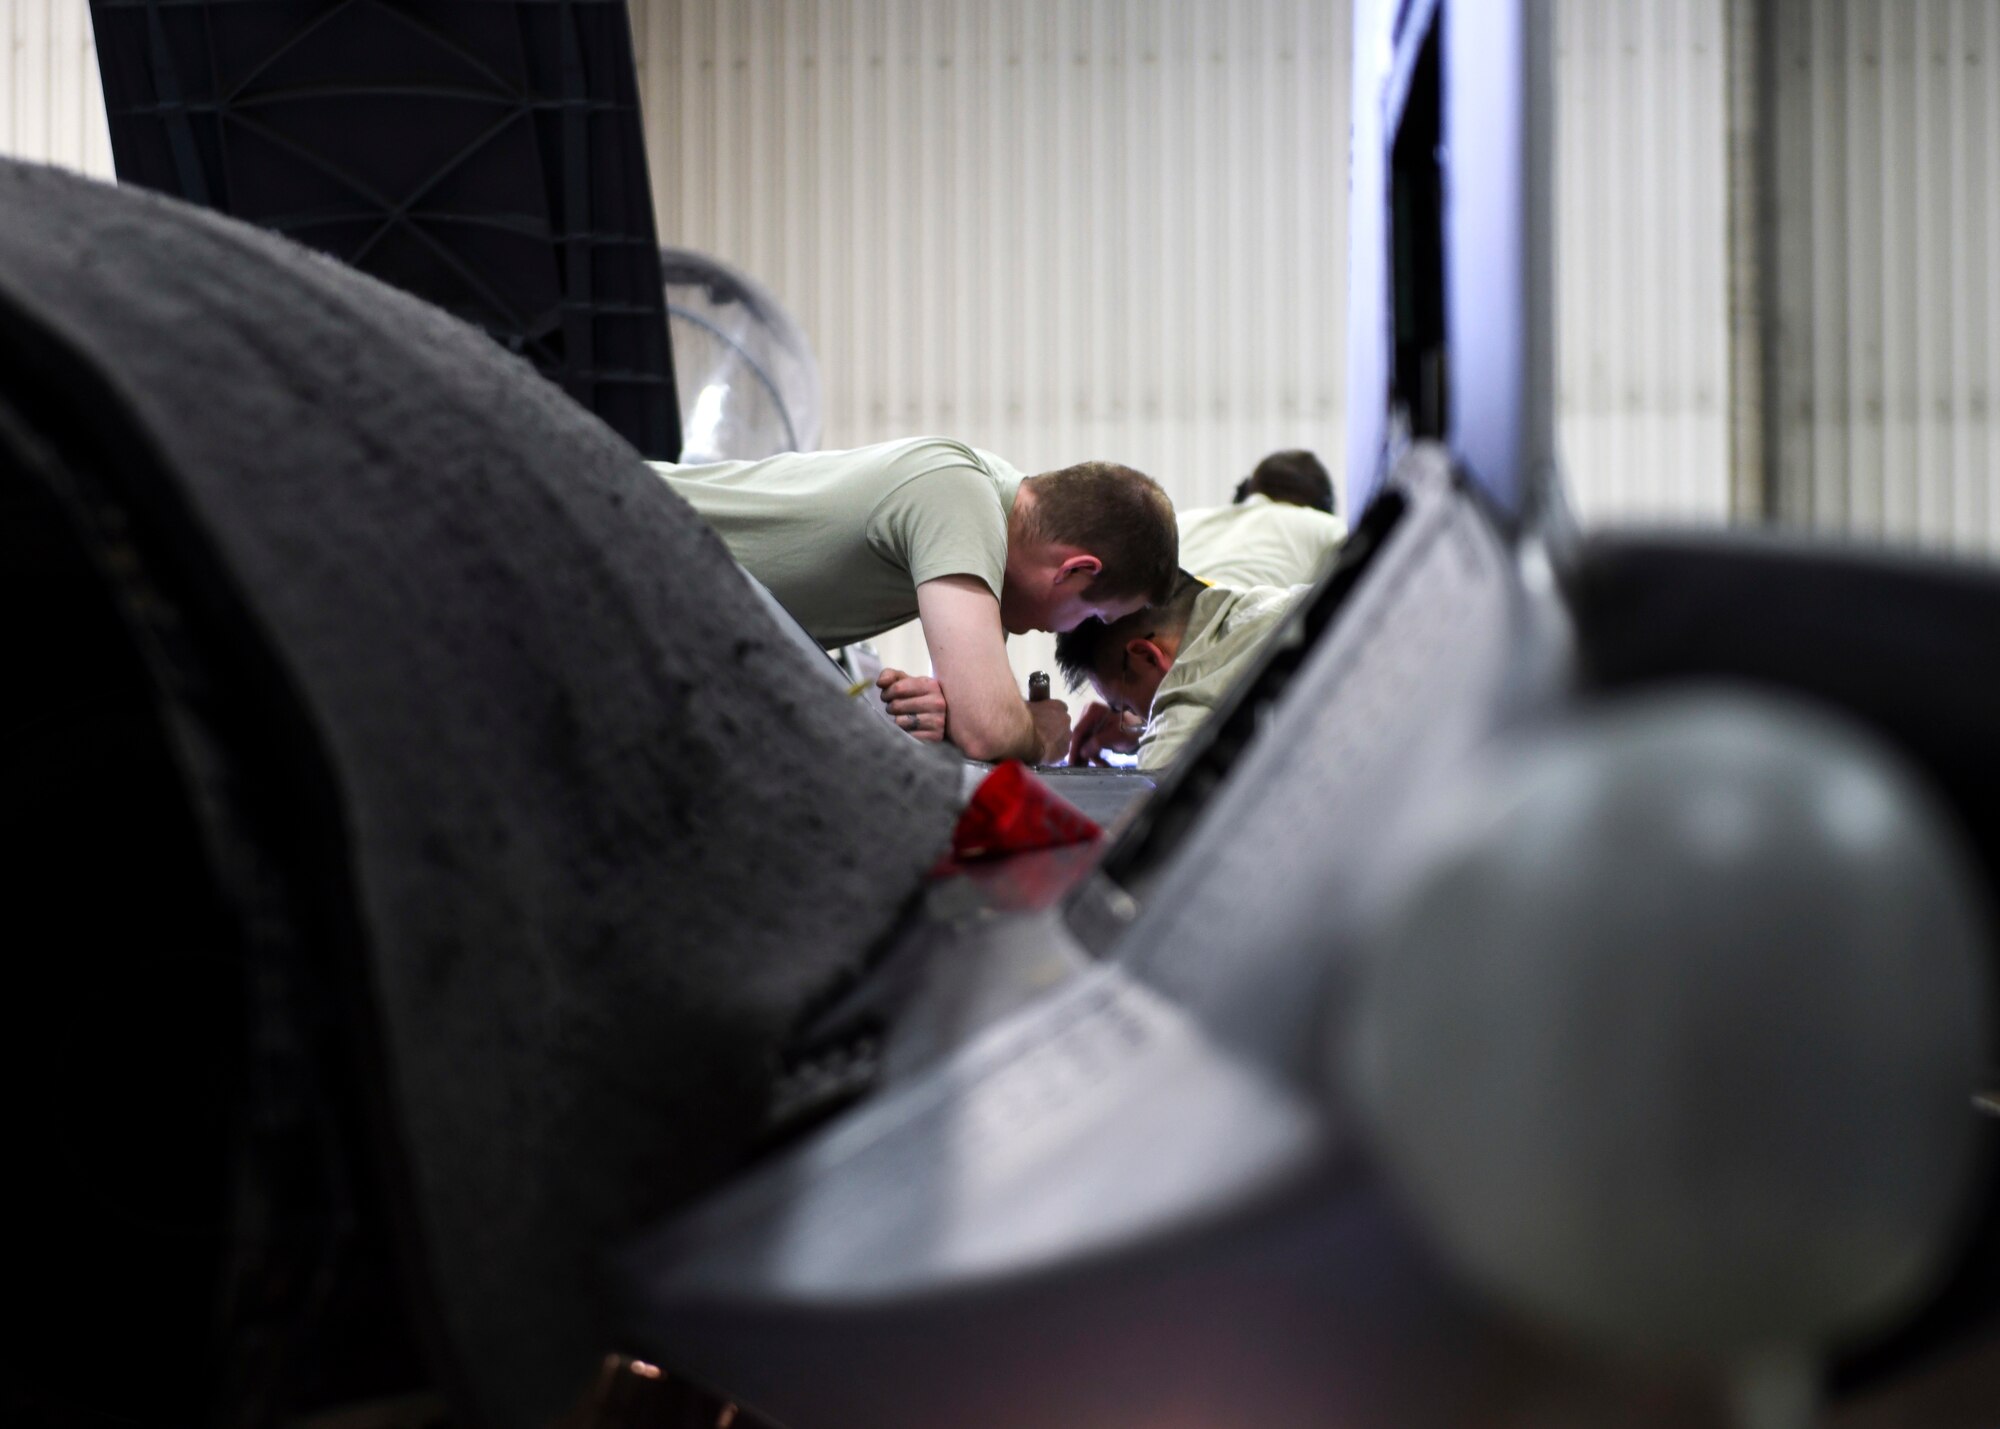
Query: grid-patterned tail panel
(486, 155)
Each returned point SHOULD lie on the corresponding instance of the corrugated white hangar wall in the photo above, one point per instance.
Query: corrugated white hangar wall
(1061, 228)
(1067, 228)
(51, 104)
(1887, 129)
(1642, 258)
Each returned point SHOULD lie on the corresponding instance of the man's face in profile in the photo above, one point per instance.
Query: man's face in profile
(1130, 678)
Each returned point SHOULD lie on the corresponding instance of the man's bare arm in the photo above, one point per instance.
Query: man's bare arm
(985, 715)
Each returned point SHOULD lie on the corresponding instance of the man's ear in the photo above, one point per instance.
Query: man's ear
(1146, 653)
(1088, 565)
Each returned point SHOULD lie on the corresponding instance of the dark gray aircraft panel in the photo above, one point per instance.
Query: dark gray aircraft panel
(1146, 1121)
(1156, 1161)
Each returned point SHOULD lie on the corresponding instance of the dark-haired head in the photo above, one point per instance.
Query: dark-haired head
(1124, 660)
(1295, 477)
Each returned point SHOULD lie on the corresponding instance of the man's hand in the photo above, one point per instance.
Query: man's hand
(915, 702)
(1102, 728)
(1051, 728)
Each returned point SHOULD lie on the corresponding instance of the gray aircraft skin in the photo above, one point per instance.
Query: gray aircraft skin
(1553, 990)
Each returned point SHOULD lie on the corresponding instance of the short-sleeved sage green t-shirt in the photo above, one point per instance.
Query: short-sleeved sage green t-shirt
(843, 539)
(1259, 542)
(1225, 630)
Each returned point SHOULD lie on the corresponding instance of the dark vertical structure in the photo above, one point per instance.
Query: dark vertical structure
(485, 155)
(1451, 334)
(1417, 385)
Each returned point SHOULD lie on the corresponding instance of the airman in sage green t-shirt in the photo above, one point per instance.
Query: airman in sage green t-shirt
(1259, 542)
(853, 543)
(1160, 673)
(1280, 531)
(843, 539)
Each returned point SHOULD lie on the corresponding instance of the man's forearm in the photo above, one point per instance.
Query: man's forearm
(984, 715)
(994, 733)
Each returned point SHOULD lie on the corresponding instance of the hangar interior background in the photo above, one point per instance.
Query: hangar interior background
(1070, 228)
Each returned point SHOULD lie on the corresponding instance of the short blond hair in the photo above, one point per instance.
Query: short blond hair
(1118, 515)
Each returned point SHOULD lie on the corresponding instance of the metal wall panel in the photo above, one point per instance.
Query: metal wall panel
(1116, 227)
(51, 104)
(1642, 255)
(1056, 228)
(1888, 305)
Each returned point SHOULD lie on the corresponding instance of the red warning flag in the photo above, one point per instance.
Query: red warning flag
(1011, 812)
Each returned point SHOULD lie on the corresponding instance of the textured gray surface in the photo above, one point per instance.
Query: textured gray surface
(609, 832)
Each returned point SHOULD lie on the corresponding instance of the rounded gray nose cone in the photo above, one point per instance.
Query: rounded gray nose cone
(1671, 1042)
